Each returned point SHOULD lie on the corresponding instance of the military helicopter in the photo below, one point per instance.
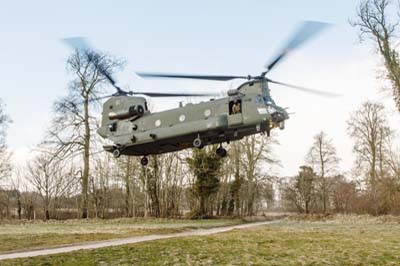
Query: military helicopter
(246, 110)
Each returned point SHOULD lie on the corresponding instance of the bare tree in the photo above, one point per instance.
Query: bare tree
(51, 178)
(29, 202)
(344, 195)
(393, 158)
(322, 157)
(374, 22)
(369, 129)
(173, 174)
(301, 190)
(129, 167)
(99, 181)
(16, 185)
(235, 187)
(73, 124)
(256, 163)
(5, 166)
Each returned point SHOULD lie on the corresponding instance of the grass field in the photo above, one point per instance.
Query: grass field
(335, 242)
(20, 236)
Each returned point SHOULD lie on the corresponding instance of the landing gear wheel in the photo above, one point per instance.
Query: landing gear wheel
(116, 153)
(144, 161)
(198, 143)
(268, 128)
(221, 152)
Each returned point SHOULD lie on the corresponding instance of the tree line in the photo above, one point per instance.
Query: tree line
(372, 187)
(198, 184)
(71, 177)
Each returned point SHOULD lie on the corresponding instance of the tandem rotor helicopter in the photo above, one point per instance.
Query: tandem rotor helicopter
(246, 110)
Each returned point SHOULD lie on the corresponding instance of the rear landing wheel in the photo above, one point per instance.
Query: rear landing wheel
(198, 143)
(144, 161)
(221, 152)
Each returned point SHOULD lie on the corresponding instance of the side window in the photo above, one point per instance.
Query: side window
(113, 127)
(235, 107)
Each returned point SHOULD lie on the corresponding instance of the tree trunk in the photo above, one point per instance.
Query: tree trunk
(146, 197)
(128, 190)
(47, 214)
(307, 207)
(46, 200)
(19, 205)
(202, 207)
(237, 183)
(85, 173)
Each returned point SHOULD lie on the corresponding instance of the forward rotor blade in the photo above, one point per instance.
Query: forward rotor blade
(80, 44)
(313, 91)
(306, 31)
(158, 94)
(101, 98)
(107, 76)
(186, 76)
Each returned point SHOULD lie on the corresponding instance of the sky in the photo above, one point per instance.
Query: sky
(204, 37)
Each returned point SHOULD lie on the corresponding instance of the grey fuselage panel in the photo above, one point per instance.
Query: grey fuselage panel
(215, 121)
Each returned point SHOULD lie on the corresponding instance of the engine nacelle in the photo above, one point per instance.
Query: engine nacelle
(233, 92)
(134, 110)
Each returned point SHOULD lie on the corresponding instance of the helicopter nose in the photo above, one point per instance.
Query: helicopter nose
(279, 115)
(285, 114)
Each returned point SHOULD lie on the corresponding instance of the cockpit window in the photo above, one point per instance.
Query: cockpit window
(259, 99)
(112, 127)
(268, 100)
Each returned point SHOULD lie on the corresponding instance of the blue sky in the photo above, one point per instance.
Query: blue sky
(216, 37)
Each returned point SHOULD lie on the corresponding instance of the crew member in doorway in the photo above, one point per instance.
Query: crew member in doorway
(236, 108)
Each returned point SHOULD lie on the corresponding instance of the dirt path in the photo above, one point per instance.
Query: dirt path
(129, 240)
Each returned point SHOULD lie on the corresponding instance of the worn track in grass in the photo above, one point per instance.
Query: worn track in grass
(128, 240)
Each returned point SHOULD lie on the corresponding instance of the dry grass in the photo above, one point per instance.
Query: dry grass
(346, 219)
(23, 235)
(283, 243)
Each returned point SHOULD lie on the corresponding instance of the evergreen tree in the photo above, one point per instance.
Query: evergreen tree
(206, 166)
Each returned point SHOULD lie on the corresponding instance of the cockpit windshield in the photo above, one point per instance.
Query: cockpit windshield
(268, 100)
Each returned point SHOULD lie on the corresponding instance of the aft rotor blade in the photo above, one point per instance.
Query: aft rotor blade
(313, 91)
(77, 43)
(158, 94)
(306, 31)
(188, 76)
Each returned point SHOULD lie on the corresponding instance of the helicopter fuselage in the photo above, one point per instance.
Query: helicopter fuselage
(245, 111)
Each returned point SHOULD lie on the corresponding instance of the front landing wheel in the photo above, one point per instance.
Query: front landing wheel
(144, 161)
(221, 152)
(116, 153)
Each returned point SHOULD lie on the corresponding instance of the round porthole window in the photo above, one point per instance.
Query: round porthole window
(207, 113)
(182, 118)
(157, 123)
